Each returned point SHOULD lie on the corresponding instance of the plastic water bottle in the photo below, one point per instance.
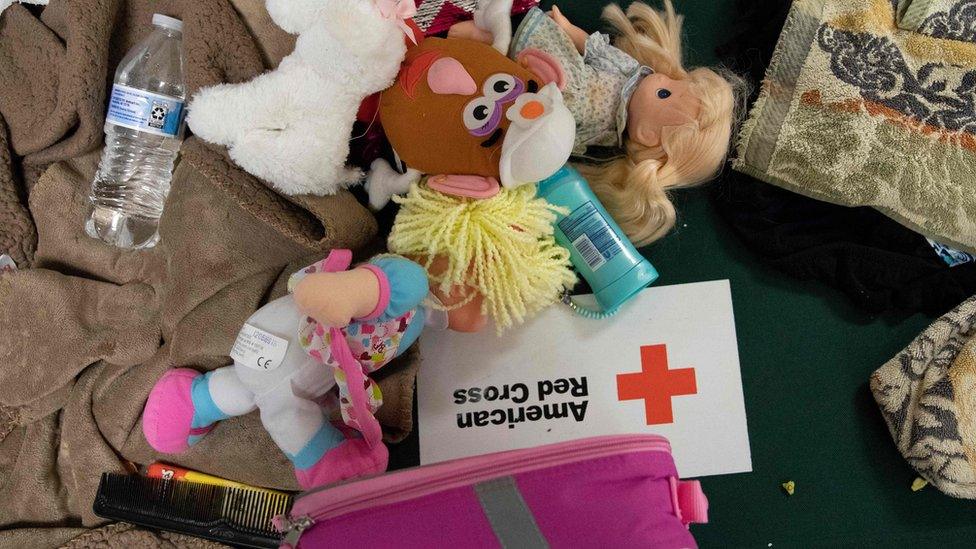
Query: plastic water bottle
(143, 131)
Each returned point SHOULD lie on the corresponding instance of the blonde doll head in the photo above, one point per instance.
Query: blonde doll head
(679, 142)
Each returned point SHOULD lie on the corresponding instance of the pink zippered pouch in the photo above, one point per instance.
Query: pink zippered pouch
(596, 492)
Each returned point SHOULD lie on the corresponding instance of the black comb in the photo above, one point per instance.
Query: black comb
(235, 516)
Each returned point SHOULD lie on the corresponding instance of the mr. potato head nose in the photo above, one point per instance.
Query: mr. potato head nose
(532, 110)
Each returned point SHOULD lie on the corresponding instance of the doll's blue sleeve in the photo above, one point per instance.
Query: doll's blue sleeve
(408, 285)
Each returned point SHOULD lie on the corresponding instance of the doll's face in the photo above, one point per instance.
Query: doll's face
(660, 102)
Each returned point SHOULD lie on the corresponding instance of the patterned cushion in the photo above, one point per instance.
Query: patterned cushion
(926, 395)
(950, 19)
(860, 112)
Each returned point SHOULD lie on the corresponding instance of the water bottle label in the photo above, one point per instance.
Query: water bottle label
(145, 111)
(591, 235)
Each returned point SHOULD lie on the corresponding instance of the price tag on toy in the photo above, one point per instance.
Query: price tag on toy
(7, 264)
(258, 349)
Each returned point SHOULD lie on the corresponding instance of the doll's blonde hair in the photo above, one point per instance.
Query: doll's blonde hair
(501, 247)
(635, 188)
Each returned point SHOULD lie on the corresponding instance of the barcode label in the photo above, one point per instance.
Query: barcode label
(259, 350)
(591, 235)
(591, 255)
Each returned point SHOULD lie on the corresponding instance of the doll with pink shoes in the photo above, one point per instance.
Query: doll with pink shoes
(344, 324)
(670, 125)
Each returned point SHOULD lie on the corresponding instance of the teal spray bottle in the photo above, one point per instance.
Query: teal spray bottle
(599, 249)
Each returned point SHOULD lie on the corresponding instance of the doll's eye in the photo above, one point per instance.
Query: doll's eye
(499, 85)
(664, 93)
(479, 114)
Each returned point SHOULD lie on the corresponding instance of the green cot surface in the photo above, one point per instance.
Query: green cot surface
(806, 356)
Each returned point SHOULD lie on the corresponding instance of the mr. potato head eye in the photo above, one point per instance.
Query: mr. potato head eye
(482, 116)
(532, 87)
(502, 87)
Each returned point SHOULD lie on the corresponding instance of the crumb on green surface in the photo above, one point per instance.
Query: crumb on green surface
(789, 487)
(919, 483)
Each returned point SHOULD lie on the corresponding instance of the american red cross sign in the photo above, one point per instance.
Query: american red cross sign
(656, 384)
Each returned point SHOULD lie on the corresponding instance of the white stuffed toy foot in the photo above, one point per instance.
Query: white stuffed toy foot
(384, 182)
(291, 126)
(494, 16)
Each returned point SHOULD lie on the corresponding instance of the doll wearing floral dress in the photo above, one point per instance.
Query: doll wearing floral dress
(670, 126)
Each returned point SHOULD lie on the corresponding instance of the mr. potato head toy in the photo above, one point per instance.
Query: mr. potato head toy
(472, 131)
(473, 119)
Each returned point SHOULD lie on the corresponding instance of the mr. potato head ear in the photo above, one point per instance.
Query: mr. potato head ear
(543, 65)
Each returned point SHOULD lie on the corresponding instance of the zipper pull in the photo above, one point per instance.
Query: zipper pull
(293, 529)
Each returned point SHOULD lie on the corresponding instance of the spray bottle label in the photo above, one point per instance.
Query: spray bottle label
(591, 235)
(145, 111)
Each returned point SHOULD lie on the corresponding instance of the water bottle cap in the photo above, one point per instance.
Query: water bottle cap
(168, 22)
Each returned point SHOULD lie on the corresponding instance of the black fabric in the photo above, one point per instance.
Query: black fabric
(878, 263)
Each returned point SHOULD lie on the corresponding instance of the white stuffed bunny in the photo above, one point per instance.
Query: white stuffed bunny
(291, 127)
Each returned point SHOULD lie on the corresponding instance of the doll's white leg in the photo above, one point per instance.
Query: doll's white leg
(229, 395)
(313, 380)
(297, 425)
(184, 405)
(320, 453)
(216, 396)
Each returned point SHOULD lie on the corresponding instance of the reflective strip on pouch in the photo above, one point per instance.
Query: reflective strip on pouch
(509, 516)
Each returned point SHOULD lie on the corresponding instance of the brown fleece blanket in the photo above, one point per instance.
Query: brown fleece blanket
(54, 68)
(273, 42)
(17, 233)
(88, 329)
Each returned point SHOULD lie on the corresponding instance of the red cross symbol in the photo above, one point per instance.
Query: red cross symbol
(656, 385)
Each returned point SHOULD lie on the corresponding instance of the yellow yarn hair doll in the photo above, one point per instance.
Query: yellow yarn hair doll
(671, 124)
(495, 257)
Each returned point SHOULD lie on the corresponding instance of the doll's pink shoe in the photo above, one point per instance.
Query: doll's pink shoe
(351, 459)
(167, 420)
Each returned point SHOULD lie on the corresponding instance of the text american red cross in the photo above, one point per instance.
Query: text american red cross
(656, 385)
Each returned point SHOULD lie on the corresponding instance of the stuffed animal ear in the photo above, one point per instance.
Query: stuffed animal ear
(447, 76)
(544, 66)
